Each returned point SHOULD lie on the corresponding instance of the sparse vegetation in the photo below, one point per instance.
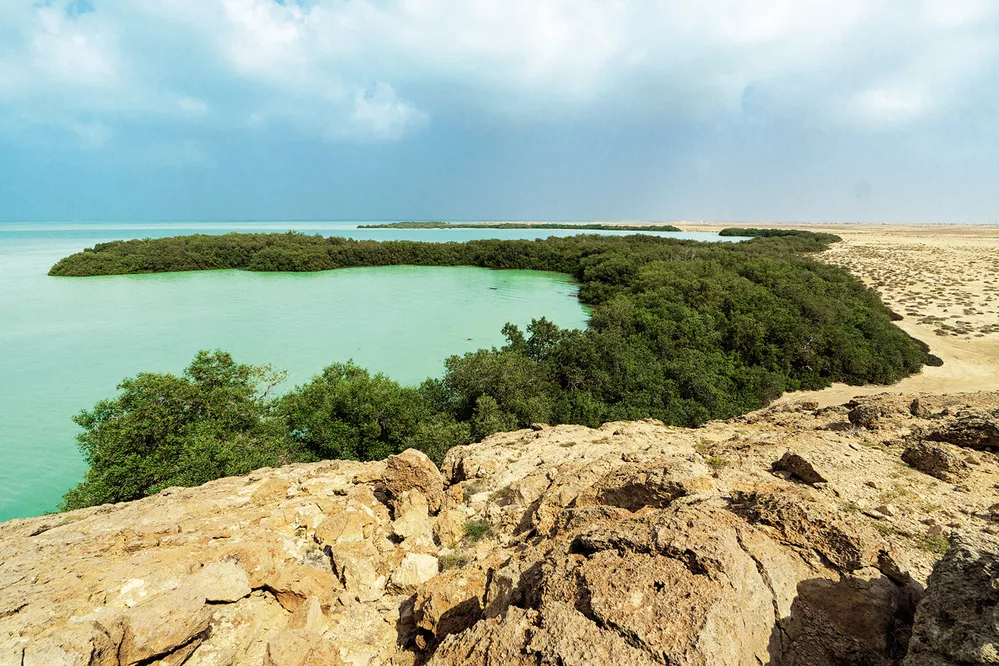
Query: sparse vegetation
(476, 530)
(703, 446)
(935, 543)
(717, 463)
(453, 561)
(504, 495)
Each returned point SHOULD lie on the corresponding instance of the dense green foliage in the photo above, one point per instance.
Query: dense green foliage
(299, 252)
(680, 331)
(777, 233)
(163, 430)
(520, 225)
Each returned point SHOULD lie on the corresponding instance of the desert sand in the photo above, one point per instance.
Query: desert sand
(942, 279)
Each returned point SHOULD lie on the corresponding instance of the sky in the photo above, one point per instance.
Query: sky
(732, 110)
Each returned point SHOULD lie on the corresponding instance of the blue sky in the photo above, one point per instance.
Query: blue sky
(854, 110)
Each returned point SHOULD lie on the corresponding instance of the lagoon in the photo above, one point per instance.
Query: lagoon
(66, 342)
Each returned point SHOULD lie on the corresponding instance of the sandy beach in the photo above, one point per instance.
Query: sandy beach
(942, 279)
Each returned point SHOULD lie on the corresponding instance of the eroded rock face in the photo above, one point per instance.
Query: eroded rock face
(957, 621)
(975, 430)
(634, 543)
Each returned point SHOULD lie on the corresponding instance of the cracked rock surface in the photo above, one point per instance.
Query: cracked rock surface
(633, 543)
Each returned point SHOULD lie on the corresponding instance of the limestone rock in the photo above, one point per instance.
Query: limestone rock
(865, 416)
(936, 460)
(412, 515)
(847, 545)
(975, 431)
(222, 582)
(356, 567)
(416, 569)
(162, 624)
(956, 622)
(412, 470)
(917, 409)
(609, 545)
(448, 604)
(449, 528)
(798, 467)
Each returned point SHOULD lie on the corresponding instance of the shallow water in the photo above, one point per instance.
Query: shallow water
(66, 342)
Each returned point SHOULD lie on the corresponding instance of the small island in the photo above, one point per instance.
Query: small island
(520, 225)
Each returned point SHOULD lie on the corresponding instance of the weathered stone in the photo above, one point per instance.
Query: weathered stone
(974, 431)
(412, 515)
(356, 566)
(162, 624)
(348, 526)
(448, 604)
(222, 582)
(847, 546)
(610, 545)
(917, 409)
(416, 569)
(798, 467)
(936, 460)
(449, 528)
(956, 622)
(412, 470)
(864, 615)
(865, 416)
(86, 645)
(300, 647)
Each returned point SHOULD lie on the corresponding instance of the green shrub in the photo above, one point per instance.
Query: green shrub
(476, 530)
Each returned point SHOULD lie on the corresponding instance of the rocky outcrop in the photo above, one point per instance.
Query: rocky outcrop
(957, 622)
(795, 466)
(974, 430)
(936, 460)
(633, 543)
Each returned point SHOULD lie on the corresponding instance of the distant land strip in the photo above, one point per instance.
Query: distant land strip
(520, 225)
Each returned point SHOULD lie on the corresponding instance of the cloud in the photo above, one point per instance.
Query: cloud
(382, 70)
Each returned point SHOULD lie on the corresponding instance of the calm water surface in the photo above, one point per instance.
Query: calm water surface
(66, 342)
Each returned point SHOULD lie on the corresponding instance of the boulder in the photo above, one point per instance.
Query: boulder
(936, 460)
(415, 569)
(412, 470)
(865, 416)
(448, 604)
(224, 582)
(978, 430)
(162, 624)
(412, 515)
(796, 466)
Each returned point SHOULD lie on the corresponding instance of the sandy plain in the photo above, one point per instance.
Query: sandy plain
(942, 279)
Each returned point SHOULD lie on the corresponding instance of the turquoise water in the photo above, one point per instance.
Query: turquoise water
(66, 342)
